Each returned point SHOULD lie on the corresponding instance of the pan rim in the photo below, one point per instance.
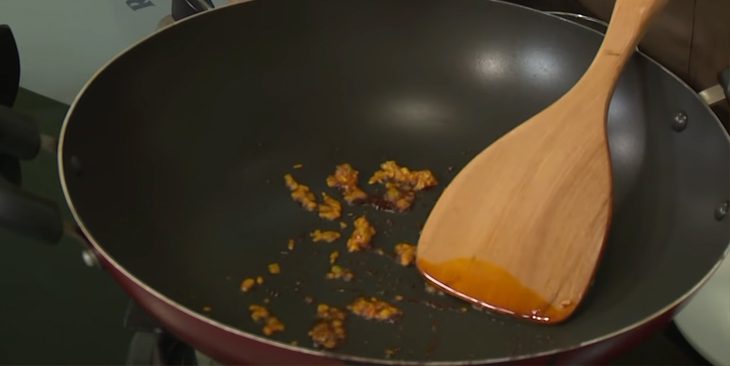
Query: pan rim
(98, 248)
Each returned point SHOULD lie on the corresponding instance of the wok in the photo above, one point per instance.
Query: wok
(172, 160)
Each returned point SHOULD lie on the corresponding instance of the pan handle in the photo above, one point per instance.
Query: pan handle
(712, 95)
(20, 211)
(724, 79)
(718, 92)
(23, 211)
(18, 137)
(9, 67)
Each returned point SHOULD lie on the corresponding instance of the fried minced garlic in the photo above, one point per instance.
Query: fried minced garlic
(331, 209)
(259, 280)
(247, 284)
(271, 323)
(327, 236)
(333, 256)
(290, 244)
(390, 352)
(417, 180)
(340, 273)
(361, 236)
(406, 253)
(401, 183)
(274, 268)
(345, 179)
(401, 199)
(301, 193)
(258, 312)
(343, 225)
(329, 331)
(374, 309)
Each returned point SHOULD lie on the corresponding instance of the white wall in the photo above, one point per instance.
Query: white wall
(63, 42)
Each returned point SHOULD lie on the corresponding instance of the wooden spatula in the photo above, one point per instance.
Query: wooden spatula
(521, 228)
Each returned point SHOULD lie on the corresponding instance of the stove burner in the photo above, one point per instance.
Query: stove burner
(152, 345)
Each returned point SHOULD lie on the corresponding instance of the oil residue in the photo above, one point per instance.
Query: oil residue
(495, 288)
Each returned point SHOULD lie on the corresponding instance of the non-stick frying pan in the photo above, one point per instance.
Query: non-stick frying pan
(172, 160)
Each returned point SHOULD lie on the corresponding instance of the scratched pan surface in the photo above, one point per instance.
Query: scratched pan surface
(174, 159)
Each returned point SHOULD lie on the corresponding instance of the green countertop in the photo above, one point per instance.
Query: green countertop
(55, 310)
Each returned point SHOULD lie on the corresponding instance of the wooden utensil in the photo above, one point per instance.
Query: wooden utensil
(521, 228)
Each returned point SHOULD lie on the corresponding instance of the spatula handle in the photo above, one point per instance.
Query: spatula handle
(628, 24)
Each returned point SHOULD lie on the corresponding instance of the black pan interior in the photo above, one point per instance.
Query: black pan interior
(180, 145)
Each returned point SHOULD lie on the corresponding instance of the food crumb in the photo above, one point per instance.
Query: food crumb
(343, 225)
(259, 280)
(274, 268)
(431, 289)
(406, 253)
(329, 331)
(308, 299)
(374, 309)
(331, 209)
(326, 236)
(247, 284)
(345, 179)
(398, 298)
(301, 193)
(390, 352)
(361, 236)
(294, 343)
(290, 244)
(271, 323)
(258, 312)
(266, 300)
(339, 273)
(207, 309)
(333, 256)
(297, 166)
